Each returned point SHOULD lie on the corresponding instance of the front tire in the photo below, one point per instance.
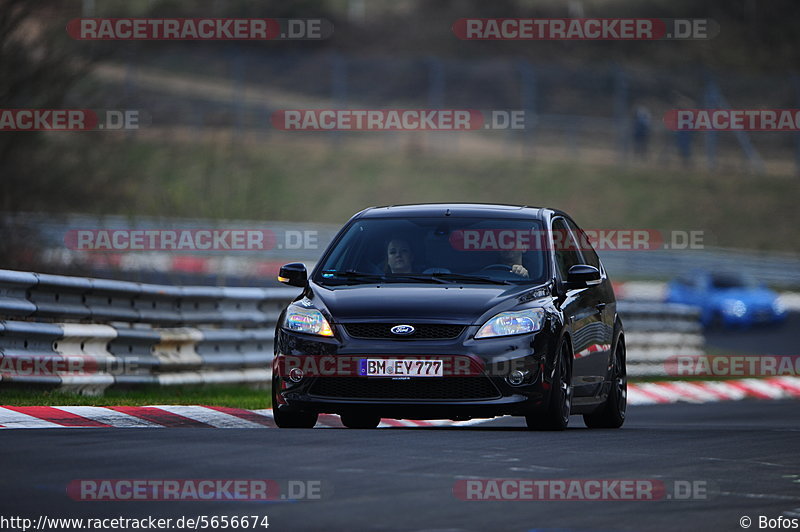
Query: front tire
(556, 417)
(612, 414)
(360, 421)
(287, 417)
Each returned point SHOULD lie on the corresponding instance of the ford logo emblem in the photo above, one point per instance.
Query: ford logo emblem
(403, 330)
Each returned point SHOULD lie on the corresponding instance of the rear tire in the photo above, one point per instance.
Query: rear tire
(556, 417)
(612, 414)
(360, 421)
(287, 417)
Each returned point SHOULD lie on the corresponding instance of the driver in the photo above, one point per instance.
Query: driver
(513, 259)
(398, 256)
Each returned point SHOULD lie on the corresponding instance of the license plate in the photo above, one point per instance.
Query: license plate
(400, 367)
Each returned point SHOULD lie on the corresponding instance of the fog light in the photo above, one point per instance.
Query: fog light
(515, 378)
(296, 375)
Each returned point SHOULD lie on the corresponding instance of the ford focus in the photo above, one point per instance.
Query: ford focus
(452, 311)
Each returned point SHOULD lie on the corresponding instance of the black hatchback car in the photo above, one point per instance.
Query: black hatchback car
(452, 311)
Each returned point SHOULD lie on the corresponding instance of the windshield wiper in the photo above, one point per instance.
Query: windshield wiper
(455, 277)
(351, 275)
(421, 278)
(362, 276)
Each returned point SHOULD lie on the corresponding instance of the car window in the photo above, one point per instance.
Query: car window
(566, 249)
(731, 280)
(507, 250)
(587, 251)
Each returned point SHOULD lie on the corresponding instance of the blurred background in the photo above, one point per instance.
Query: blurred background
(206, 154)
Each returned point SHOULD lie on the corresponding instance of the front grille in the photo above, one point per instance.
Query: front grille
(423, 331)
(443, 388)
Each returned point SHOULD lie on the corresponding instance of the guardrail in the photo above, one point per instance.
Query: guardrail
(84, 335)
(655, 332)
(48, 237)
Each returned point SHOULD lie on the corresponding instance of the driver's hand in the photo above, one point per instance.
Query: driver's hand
(519, 269)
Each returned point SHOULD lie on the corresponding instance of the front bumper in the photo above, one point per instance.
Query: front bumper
(485, 392)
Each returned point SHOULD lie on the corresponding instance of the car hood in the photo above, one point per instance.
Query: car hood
(464, 304)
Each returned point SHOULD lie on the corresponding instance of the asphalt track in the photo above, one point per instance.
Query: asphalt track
(402, 479)
(776, 339)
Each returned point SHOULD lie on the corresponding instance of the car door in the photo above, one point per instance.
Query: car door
(586, 309)
(599, 297)
(580, 307)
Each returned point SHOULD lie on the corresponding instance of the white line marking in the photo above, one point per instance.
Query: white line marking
(215, 418)
(666, 396)
(758, 385)
(636, 397)
(695, 390)
(731, 392)
(109, 417)
(11, 419)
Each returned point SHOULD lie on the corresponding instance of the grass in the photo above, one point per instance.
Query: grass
(230, 396)
(689, 378)
(317, 180)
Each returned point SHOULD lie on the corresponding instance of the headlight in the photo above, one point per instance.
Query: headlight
(307, 320)
(734, 307)
(778, 307)
(508, 323)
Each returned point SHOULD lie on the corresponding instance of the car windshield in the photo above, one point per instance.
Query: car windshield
(732, 280)
(437, 250)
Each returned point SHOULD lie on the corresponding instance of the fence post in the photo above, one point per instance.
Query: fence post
(795, 79)
(718, 100)
(621, 112)
(338, 87)
(436, 86)
(710, 101)
(238, 90)
(528, 98)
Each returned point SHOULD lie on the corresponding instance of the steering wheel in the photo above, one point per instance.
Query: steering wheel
(501, 267)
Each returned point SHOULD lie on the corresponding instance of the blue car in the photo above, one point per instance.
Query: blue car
(727, 299)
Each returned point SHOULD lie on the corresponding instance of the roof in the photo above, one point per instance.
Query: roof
(458, 210)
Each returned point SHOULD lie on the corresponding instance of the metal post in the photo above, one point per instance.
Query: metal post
(338, 86)
(750, 152)
(621, 112)
(238, 90)
(528, 99)
(710, 101)
(436, 84)
(795, 79)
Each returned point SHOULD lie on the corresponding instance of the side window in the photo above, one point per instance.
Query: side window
(588, 252)
(566, 250)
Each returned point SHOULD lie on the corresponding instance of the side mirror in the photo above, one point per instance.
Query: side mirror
(293, 274)
(582, 275)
